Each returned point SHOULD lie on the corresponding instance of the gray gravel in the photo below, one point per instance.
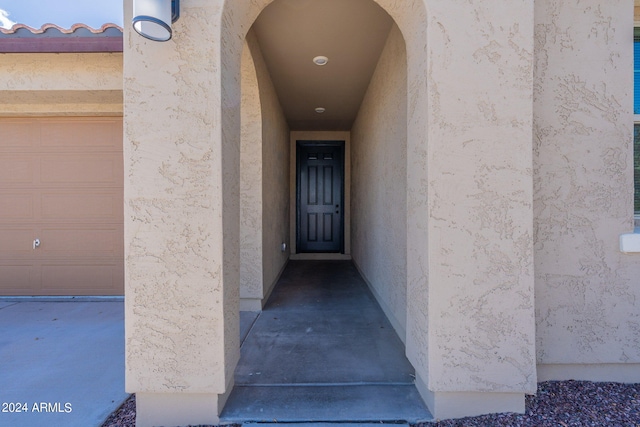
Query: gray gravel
(568, 403)
(124, 416)
(557, 403)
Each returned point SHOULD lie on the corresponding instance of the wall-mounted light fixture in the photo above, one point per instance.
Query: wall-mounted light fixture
(153, 18)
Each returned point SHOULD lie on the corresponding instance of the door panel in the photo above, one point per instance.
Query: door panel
(320, 193)
(61, 182)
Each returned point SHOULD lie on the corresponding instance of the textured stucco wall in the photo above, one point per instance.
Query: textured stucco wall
(275, 175)
(481, 306)
(61, 71)
(379, 182)
(61, 84)
(470, 322)
(250, 181)
(264, 179)
(181, 235)
(587, 292)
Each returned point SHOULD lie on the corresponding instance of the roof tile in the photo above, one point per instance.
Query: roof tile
(51, 38)
(46, 27)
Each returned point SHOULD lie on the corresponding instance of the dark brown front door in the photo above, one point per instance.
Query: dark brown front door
(320, 183)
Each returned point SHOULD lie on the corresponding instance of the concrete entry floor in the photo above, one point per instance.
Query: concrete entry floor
(322, 350)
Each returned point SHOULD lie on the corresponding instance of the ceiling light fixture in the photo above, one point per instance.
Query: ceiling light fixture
(153, 18)
(320, 110)
(320, 60)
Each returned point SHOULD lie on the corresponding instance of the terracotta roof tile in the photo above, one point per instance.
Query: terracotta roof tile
(71, 30)
(51, 38)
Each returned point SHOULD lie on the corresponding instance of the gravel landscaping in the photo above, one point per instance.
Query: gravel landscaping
(568, 403)
(558, 403)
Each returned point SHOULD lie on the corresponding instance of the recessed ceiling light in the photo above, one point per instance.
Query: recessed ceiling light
(320, 60)
(320, 110)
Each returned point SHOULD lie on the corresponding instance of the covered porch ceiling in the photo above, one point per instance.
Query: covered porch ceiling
(350, 33)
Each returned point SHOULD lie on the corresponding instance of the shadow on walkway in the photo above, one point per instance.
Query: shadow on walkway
(323, 351)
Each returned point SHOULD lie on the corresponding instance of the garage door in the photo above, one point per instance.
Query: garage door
(61, 206)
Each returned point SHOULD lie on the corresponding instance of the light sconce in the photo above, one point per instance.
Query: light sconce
(153, 18)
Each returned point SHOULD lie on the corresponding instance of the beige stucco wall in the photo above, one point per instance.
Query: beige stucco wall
(264, 181)
(379, 182)
(250, 186)
(60, 84)
(275, 175)
(587, 292)
(470, 322)
(479, 163)
(181, 234)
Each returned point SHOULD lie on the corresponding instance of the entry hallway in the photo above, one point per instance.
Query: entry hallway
(322, 350)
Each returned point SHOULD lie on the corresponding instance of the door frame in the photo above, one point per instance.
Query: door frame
(318, 136)
(320, 143)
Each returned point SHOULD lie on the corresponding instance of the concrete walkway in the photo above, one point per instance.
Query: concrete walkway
(61, 363)
(323, 351)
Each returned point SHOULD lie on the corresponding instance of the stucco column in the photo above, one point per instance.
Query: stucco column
(587, 293)
(481, 338)
(181, 290)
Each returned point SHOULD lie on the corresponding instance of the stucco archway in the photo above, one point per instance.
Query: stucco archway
(376, 178)
(469, 206)
(237, 17)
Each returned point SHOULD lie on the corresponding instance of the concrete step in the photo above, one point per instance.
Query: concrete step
(352, 404)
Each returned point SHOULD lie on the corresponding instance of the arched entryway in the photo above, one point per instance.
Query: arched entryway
(469, 297)
(406, 317)
(364, 90)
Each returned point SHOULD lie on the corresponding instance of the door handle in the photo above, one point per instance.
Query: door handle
(36, 243)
